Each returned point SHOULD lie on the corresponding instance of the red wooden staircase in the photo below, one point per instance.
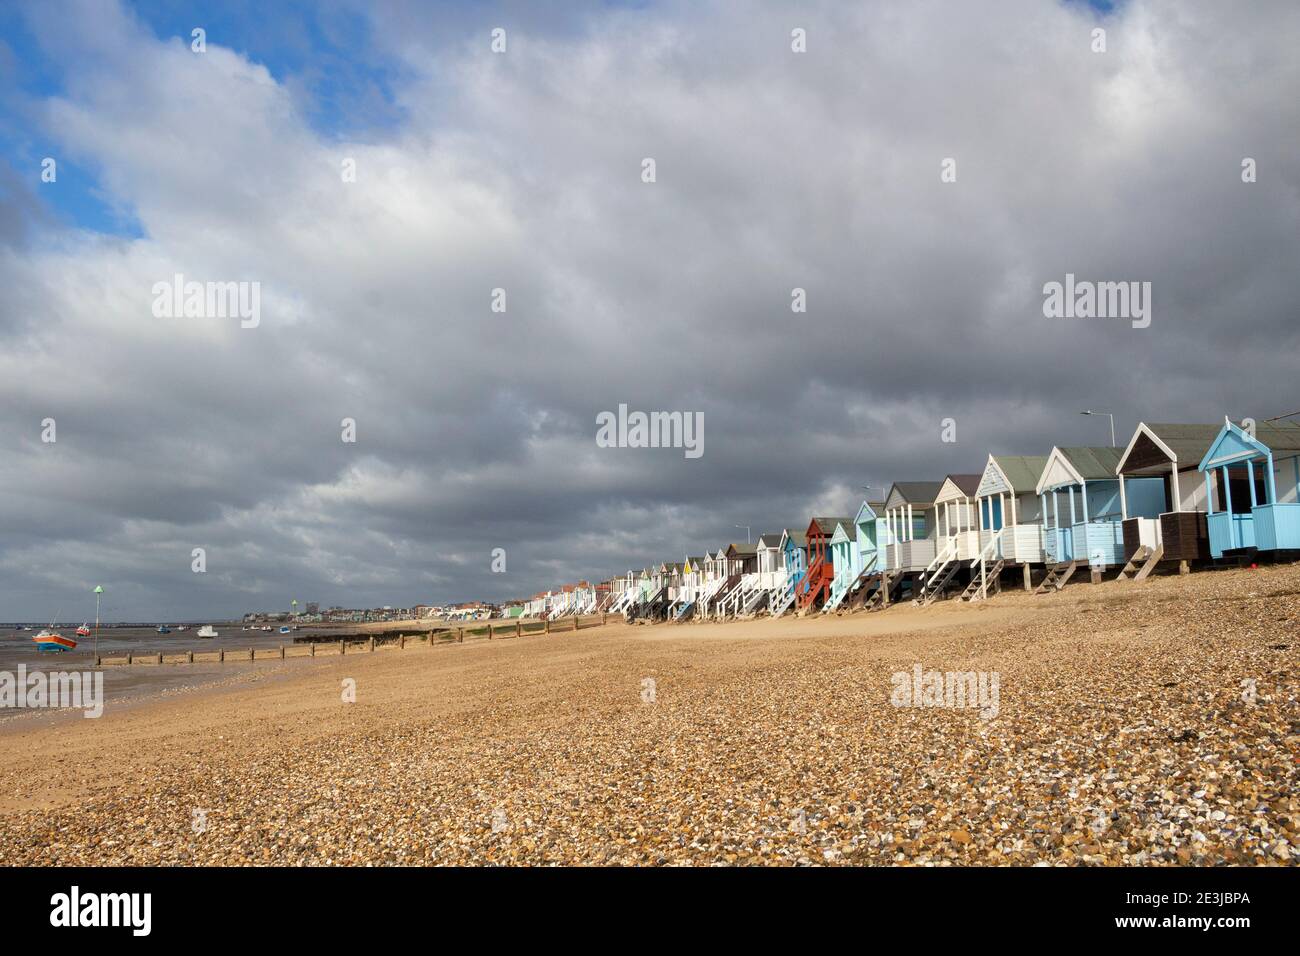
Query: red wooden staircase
(815, 586)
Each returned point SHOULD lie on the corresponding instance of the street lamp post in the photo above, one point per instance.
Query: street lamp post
(1112, 423)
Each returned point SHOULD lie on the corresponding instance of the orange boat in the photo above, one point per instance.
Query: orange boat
(47, 640)
(83, 631)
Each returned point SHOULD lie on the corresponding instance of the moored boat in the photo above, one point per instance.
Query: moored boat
(284, 630)
(207, 630)
(83, 631)
(164, 629)
(48, 640)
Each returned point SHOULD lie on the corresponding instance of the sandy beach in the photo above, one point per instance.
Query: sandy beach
(1126, 732)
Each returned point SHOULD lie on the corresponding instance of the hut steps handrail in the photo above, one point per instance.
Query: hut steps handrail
(944, 555)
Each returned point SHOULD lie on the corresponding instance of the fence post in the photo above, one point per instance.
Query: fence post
(548, 625)
(312, 645)
(129, 657)
(160, 657)
(221, 655)
(489, 632)
(189, 658)
(460, 636)
(575, 622)
(343, 645)
(98, 660)
(372, 645)
(519, 628)
(602, 618)
(250, 653)
(281, 652)
(401, 642)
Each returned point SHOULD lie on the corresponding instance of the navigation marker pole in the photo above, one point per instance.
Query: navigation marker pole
(98, 591)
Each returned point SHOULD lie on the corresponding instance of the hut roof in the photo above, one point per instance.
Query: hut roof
(1092, 462)
(916, 492)
(1022, 471)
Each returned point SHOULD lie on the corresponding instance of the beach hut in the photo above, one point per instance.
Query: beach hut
(768, 557)
(814, 587)
(624, 589)
(652, 595)
(1251, 488)
(957, 537)
(762, 575)
(1087, 529)
(671, 574)
(858, 554)
(910, 517)
(742, 569)
(717, 579)
(956, 518)
(1009, 513)
(1009, 508)
(1180, 532)
(872, 531)
(693, 582)
(794, 556)
(843, 547)
(584, 598)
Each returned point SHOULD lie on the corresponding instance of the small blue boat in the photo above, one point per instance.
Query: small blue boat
(284, 630)
(164, 629)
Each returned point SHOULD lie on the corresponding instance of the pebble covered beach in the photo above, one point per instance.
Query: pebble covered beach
(1151, 723)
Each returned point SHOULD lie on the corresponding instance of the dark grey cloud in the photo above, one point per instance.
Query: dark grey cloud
(775, 170)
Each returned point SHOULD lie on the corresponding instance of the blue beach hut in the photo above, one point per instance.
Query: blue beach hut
(1089, 526)
(1256, 478)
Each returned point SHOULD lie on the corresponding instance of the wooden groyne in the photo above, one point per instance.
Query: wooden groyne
(352, 643)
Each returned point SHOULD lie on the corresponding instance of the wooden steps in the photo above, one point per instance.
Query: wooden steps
(855, 595)
(1143, 562)
(880, 597)
(1058, 576)
(993, 575)
(781, 603)
(933, 588)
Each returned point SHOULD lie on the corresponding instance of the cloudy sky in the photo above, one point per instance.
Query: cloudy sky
(522, 170)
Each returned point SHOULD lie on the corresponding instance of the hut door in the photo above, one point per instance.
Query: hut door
(995, 514)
